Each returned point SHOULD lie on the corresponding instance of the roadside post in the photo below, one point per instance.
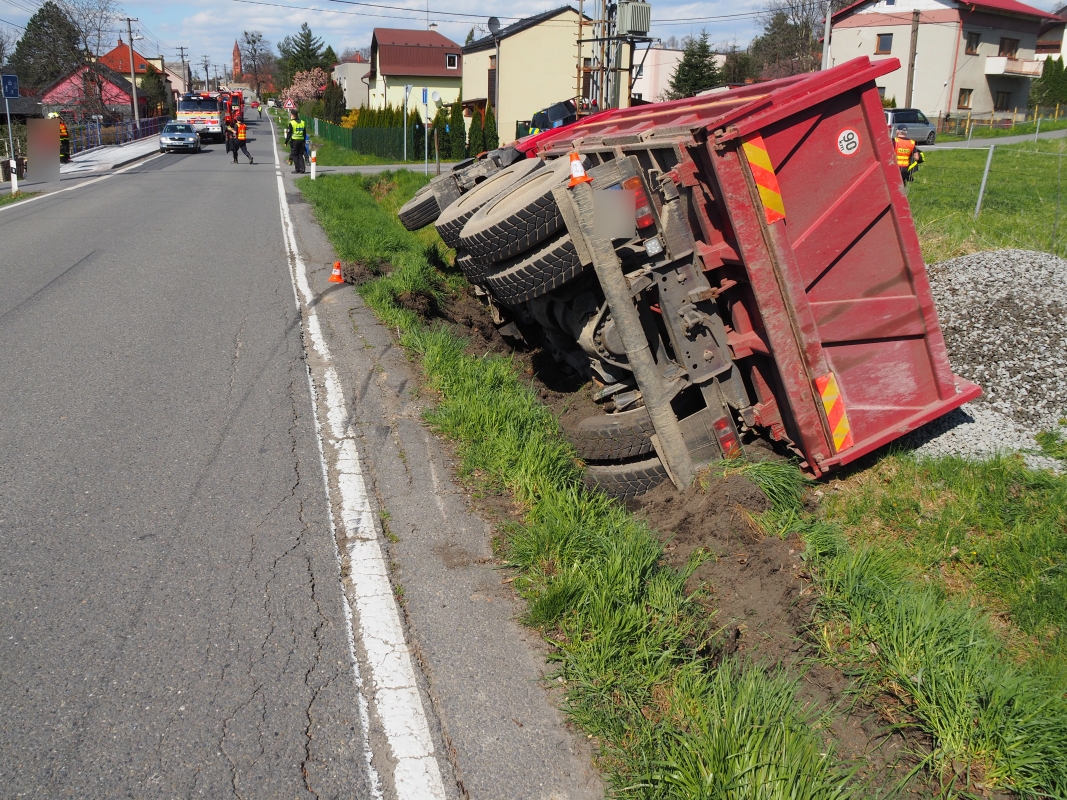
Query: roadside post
(407, 91)
(426, 128)
(11, 90)
(985, 177)
(314, 158)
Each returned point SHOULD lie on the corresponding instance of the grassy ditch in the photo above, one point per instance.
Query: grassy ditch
(1024, 205)
(9, 198)
(634, 648)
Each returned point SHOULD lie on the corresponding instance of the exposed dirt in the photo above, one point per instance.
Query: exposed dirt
(762, 601)
(357, 272)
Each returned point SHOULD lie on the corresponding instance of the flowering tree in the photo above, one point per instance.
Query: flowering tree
(308, 85)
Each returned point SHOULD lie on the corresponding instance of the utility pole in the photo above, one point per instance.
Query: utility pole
(185, 73)
(911, 57)
(133, 76)
(207, 74)
(826, 35)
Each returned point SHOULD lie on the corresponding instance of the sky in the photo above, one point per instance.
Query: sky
(209, 27)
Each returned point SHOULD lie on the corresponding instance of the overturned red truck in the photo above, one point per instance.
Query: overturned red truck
(770, 280)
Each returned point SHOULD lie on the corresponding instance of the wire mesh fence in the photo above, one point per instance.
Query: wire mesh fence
(965, 124)
(381, 142)
(1022, 204)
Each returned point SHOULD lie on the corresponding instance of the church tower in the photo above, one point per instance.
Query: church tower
(237, 71)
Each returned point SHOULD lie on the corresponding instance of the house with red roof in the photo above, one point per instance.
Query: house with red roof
(117, 59)
(75, 95)
(420, 59)
(973, 56)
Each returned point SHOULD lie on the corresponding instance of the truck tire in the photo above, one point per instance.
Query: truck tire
(452, 219)
(536, 272)
(420, 210)
(625, 481)
(513, 222)
(613, 437)
(473, 271)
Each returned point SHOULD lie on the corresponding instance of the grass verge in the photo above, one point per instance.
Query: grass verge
(928, 654)
(8, 199)
(1022, 129)
(634, 652)
(1024, 203)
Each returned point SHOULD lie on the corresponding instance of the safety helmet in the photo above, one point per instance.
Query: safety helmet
(902, 129)
(53, 115)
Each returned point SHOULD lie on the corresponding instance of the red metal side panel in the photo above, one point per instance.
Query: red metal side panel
(842, 272)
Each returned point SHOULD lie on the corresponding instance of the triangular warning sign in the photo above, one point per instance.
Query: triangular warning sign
(289, 105)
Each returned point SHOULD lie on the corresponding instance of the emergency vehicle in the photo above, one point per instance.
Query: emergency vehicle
(205, 113)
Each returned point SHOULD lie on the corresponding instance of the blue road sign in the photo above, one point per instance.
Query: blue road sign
(424, 91)
(11, 85)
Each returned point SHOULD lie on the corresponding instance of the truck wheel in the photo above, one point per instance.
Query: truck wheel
(613, 437)
(420, 210)
(515, 221)
(625, 481)
(473, 271)
(452, 219)
(535, 273)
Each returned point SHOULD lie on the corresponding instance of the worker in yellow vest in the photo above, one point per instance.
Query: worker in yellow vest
(905, 150)
(294, 137)
(64, 138)
(240, 142)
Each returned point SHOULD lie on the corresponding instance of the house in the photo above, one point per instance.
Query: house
(538, 67)
(653, 70)
(1050, 39)
(117, 59)
(74, 95)
(419, 59)
(351, 76)
(975, 57)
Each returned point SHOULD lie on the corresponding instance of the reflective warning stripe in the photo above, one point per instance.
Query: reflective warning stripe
(759, 160)
(835, 411)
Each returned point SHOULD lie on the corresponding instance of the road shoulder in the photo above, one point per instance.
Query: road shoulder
(483, 672)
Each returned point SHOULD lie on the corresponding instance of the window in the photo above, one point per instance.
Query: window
(492, 62)
(965, 98)
(1002, 101)
(640, 73)
(881, 92)
(1008, 47)
(973, 39)
(890, 2)
(451, 61)
(885, 44)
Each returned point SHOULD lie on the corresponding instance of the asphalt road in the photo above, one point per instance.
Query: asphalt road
(171, 621)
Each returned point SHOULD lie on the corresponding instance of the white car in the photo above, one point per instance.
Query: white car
(179, 136)
(271, 103)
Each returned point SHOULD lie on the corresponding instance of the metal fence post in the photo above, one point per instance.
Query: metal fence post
(985, 177)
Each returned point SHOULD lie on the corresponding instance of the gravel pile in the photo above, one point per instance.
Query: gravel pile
(1003, 316)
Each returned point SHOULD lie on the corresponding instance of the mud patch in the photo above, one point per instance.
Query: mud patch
(422, 303)
(759, 594)
(359, 272)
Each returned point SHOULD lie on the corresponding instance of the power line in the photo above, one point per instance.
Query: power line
(12, 24)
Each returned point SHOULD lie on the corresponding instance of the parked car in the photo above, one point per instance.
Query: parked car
(179, 136)
(271, 103)
(920, 129)
(255, 104)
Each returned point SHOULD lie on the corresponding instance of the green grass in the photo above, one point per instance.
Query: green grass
(330, 154)
(1024, 203)
(627, 639)
(887, 557)
(1054, 443)
(8, 198)
(992, 531)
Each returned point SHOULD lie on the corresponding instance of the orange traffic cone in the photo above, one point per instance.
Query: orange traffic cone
(337, 277)
(578, 171)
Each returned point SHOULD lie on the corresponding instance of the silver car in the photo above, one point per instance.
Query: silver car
(179, 136)
(920, 129)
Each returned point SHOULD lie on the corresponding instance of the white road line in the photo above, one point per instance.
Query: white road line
(395, 692)
(80, 185)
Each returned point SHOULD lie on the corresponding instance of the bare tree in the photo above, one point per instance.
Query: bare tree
(256, 57)
(7, 44)
(789, 44)
(95, 21)
(352, 52)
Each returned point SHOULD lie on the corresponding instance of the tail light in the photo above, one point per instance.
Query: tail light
(642, 206)
(724, 432)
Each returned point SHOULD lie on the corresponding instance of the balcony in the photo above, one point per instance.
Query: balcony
(1013, 67)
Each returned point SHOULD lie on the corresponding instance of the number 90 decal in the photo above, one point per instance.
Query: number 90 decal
(848, 142)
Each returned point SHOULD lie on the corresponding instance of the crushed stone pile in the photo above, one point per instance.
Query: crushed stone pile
(1004, 316)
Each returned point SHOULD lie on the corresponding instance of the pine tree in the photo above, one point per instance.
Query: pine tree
(476, 143)
(153, 90)
(457, 132)
(302, 52)
(329, 59)
(492, 138)
(48, 50)
(333, 103)
(696, 71)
